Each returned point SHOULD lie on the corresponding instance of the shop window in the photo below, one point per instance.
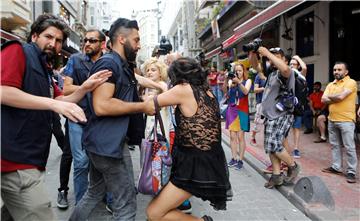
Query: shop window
(305, 35)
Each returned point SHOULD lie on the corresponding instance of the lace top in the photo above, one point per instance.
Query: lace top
(203, 129)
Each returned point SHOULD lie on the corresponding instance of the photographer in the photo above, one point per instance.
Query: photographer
(277, 107)
(237, 115)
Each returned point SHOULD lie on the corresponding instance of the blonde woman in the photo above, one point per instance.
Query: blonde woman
(156, 71)
(237, 115)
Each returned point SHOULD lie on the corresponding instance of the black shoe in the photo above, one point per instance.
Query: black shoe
(350, 178)
(207, 218)
(131, 147)
(308, 131)
(109, 208)
(320, 140)
(185, 207)
(62, 201)
(331, 170)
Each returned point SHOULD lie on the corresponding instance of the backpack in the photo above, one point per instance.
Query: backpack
(301, 93)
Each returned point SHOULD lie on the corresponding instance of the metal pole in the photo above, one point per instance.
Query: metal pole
(158, 19)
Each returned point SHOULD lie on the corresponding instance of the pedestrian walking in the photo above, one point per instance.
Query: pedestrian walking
(28, 99)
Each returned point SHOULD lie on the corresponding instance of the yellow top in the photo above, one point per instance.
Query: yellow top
(345, 109)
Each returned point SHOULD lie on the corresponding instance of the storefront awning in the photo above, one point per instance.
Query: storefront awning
(275, 10)
(7, 36)
(212, 53)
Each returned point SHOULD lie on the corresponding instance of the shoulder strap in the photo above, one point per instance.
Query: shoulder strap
(158, 118)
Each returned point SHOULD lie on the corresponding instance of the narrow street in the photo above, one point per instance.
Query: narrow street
(251, 200)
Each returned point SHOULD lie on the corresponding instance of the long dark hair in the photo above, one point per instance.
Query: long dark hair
(187, 70)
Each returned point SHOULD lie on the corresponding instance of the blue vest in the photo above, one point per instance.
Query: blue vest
(26, 134)
(80, 73)
(106, 136)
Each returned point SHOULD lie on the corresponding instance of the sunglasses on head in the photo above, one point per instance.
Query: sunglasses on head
(275, 50)
(91, 40)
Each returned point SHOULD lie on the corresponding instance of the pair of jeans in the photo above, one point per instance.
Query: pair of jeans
(215, 90)
(342, 134)
(308, 119)
(113, 175)
(81, 161)
(66, 160)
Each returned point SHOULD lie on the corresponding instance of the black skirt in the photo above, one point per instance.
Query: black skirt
(204, 174)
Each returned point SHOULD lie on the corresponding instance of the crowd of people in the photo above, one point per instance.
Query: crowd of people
(108, 104)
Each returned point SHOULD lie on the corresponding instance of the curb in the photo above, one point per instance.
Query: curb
(315, 211)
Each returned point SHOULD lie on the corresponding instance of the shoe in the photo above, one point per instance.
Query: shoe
(109, 208)
(185, 207)
(350, 178)
(292, 173)
(232, 163)
(62, 200)
(308, 131)
(296, 153)
(253, 142)
(320, 140)
(239, 165)
(207, 218)
(131, 147)
(269, 169)
(331, 170)
(275, 180)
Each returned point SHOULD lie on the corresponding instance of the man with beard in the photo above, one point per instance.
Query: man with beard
(340, 95)
(77, 71)
(278, 121)
(106, 136)
(29, 95)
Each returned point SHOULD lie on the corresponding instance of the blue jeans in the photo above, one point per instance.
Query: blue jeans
(215, 90)
(308, 119)
(80, 159)
(342, 134)
(113, 175)
(220, 93)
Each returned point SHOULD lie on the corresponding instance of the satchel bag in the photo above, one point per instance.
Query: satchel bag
(155, 159)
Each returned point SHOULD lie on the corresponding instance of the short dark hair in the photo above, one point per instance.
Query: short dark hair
(116, 27)
(187, 70)
(344, 63)
(45, 21)
(317, 83)
(102, 36)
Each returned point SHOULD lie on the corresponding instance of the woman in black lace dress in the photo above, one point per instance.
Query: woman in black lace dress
(199, 164)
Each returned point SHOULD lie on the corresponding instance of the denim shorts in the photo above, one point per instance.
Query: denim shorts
(297, 122)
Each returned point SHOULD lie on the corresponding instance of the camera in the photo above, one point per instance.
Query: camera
(165, 46)
(286, 101)
(231, 75)
(253, 46)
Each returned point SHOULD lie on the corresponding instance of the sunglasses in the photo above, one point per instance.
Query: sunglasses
(274, 50)
(90, 40)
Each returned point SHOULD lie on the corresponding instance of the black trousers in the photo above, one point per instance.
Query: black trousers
(66, 157)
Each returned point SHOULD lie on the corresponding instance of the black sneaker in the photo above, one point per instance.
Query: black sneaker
(207, 218)
(185, 207)
(109, 208)
(131, 147)
(62, 200)
(350, 178)
(308, 131)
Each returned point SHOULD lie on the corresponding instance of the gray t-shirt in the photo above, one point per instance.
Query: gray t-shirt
(271, 92)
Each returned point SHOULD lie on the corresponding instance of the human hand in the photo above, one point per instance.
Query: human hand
(70, 110)
(95, 80)
(149, 106)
